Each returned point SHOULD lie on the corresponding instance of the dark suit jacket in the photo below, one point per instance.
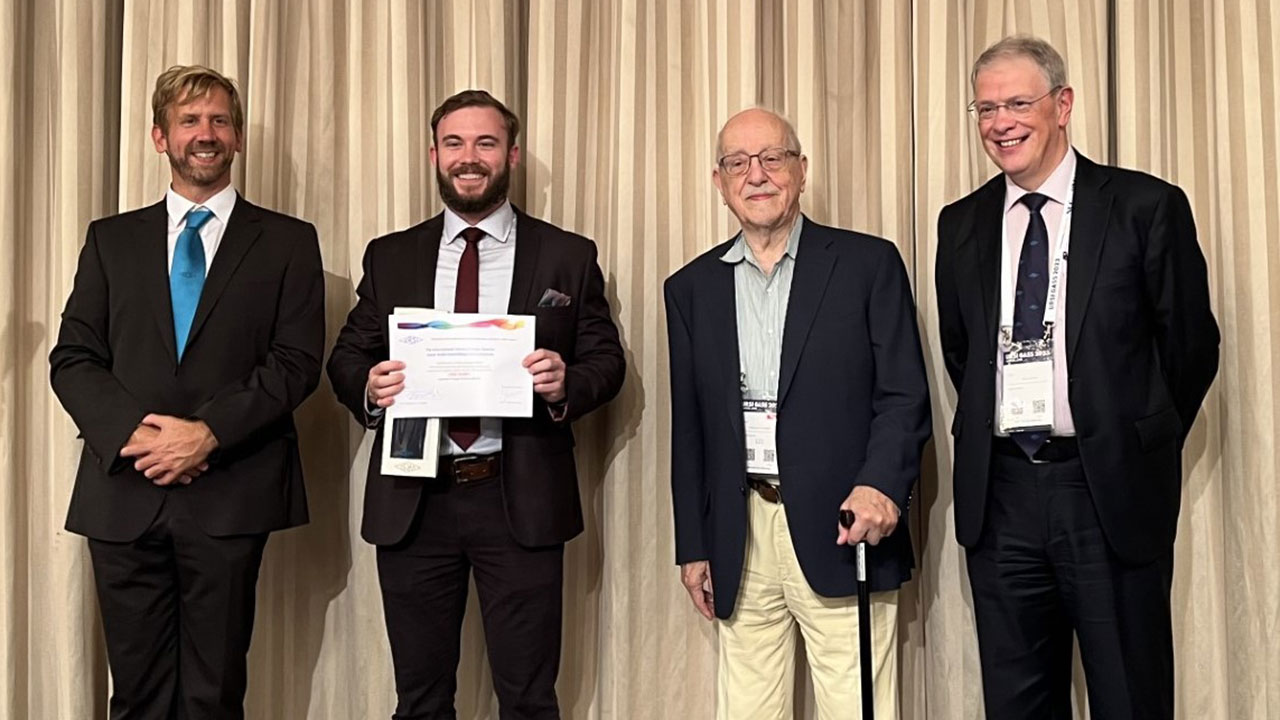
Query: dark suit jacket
(539, 479)
(1142, 346)
(253, 354)
(853, 408)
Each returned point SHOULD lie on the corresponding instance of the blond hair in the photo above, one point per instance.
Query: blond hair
(191, 82)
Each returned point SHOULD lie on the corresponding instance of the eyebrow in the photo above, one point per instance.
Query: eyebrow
(479, 138)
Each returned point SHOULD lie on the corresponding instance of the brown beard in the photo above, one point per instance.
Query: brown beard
(492, 196)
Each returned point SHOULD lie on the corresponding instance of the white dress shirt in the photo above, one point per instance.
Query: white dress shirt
(211, 232)
(1017, 216)
(497, 266)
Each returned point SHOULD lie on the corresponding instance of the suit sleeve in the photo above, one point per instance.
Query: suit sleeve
(598, 368)
(361, 344)
(900, 424)
(1186, 333)
(955, 343)
(80, 364)
(291, 369)
(688, 486)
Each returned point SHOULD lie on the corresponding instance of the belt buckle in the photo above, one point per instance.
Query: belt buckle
(458, 463)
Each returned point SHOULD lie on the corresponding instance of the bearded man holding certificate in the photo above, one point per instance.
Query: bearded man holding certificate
(505, 496)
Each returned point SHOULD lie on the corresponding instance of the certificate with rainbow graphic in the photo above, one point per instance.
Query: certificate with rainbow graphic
(463, 364)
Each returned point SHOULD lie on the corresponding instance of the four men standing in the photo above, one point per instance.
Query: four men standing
(798, 391)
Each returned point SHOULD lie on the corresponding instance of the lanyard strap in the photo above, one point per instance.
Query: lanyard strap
(1055, 274)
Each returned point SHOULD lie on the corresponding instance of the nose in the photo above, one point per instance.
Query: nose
(1004, 119)
(755, 171)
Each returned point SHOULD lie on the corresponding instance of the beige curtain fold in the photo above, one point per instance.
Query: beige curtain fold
(621, 101)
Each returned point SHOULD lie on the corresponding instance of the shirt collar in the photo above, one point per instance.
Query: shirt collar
(738, 251)
(496, 224)
(177, 206)
(1056, 187)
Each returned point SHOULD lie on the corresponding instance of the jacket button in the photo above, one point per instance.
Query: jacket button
(991, 363)
(988, 422)
(742, 489)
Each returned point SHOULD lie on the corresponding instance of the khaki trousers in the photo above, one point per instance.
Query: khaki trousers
(758, 642)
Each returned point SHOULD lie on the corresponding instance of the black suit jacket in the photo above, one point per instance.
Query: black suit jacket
(1142, 346)
(252, 356)
(853, 408)
(539, 478)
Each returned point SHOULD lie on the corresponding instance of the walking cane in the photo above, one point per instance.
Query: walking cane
(864, 622)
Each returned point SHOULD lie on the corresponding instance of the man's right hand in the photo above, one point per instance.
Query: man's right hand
(385, 382)
(696, 577)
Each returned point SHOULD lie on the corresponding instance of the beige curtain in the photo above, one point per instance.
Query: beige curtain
(621, 100)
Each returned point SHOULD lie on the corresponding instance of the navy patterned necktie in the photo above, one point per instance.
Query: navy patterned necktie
(1029, 297)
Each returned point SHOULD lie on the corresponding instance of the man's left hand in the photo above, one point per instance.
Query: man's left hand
(547, 369)
(875, 517)
(179, 451)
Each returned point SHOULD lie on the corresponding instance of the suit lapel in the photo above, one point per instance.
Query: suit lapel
(154, 263)
(430, 233)
(814, 263)
(723, 332)
(1089, 215)
(243, 228)
(989, 246)
(528, 252)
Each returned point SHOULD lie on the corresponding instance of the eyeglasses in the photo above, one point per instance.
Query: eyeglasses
(771, 159)
(1018, 107)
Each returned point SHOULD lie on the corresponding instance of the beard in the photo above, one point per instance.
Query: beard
(494, 193)
(199, 175)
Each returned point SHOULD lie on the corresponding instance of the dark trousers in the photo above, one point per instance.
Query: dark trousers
(177, 608)
(460, 529)
(1042, 571)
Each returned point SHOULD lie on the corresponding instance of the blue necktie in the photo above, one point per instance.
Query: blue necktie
(186, 277)
(1029, 299)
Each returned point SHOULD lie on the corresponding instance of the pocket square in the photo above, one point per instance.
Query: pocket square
(554, 298)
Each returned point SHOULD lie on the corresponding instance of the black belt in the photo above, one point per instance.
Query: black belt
(1055, 449)
(765, 489)
(470, 468)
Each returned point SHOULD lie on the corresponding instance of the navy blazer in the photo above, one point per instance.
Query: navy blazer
(853, 408)
(1142, 346)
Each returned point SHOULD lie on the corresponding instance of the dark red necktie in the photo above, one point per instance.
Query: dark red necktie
(466, 299)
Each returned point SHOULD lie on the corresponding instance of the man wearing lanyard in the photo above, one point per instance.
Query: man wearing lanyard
(797, 390)
(1074, 399)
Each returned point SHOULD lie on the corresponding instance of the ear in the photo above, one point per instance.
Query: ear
(513, 156)
(158, 138)
(804, 171)
(1066, 100)
(432, 154)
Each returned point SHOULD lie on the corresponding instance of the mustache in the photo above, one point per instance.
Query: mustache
(468, 168)
(205, 147)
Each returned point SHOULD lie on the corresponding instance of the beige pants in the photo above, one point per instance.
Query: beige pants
(758, 642)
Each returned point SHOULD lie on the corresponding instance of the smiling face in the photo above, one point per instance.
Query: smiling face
(761, 200)
(1026, 147)
(473, 157)
(201, 142)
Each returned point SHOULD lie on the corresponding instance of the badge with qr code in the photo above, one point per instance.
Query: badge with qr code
(1026, 390)
(760, 421)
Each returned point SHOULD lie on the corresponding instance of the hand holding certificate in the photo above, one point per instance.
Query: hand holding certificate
(455, 365)
(463, 365)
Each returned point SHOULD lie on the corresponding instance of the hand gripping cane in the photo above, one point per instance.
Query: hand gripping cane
(864, 622)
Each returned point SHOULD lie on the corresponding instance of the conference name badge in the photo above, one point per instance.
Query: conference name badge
(1026, 389)
(760, 420)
